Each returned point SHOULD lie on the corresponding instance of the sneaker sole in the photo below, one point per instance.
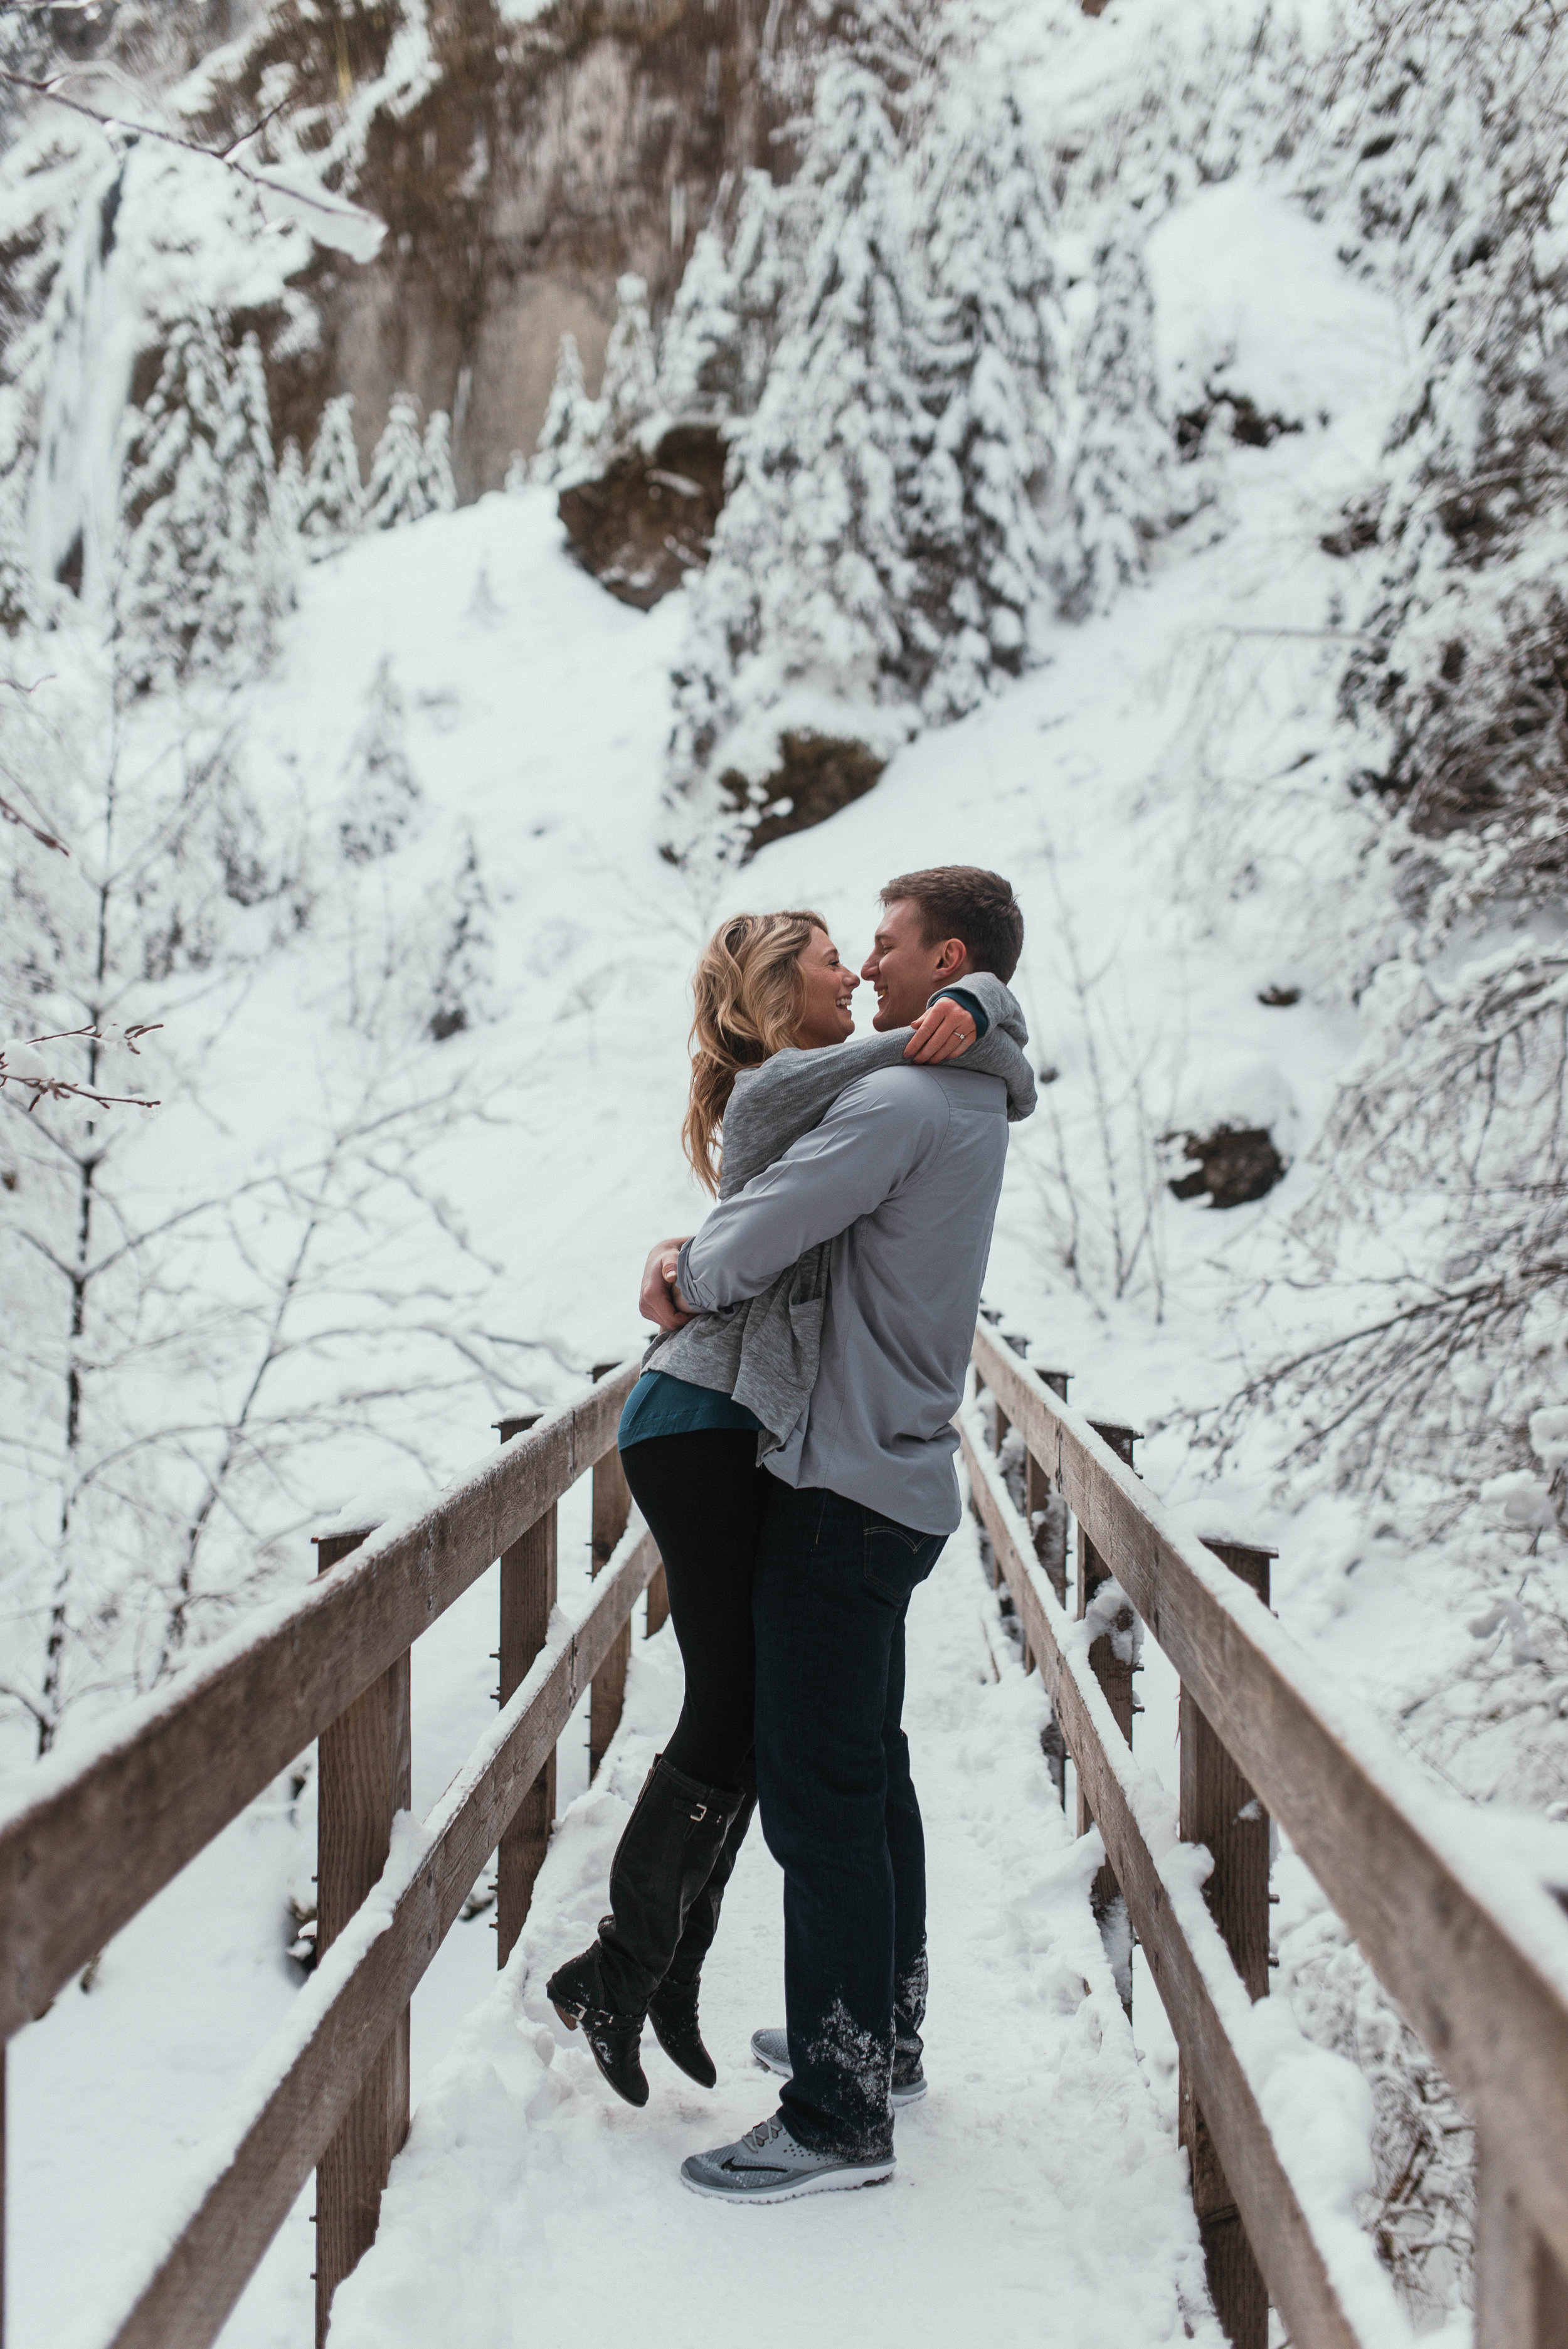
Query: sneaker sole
(900, 2096)
(822, 2181)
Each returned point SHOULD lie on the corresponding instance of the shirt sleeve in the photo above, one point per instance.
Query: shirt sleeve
(972, 1004)
(879, 1132)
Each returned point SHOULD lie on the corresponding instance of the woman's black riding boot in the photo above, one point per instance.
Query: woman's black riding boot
(672, 2010)
(662, 1863)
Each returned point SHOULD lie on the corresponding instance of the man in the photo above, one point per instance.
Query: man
(902, 1177)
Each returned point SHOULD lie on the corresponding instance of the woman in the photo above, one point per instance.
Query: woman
(770, 990)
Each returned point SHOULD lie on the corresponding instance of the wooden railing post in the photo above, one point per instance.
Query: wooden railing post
(1521, 2292)
(1219, 1810)
(362, 1780)
(1113, 1672)
(611, 1507)
(528, 1575)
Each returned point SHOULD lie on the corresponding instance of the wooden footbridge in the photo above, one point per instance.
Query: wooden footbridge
(1472, 1946)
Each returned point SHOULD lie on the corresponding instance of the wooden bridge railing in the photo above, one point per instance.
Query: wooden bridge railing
(1473, 1948)
(94, 1840)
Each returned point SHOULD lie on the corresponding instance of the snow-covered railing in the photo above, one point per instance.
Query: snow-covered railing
(1470, 1942)
(96, 1838)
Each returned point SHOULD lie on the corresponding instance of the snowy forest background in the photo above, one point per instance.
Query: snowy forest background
(1144, 439)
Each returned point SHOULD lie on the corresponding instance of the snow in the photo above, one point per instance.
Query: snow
(1251, 297)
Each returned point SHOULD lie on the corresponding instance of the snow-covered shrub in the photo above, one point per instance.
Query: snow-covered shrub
(435, 464)
(381, 797)
(628, 389)
(571, 427)
(398, 489)
(332, 502)
(465, 958)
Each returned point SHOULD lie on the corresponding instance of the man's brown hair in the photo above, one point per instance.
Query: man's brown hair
(964, 900)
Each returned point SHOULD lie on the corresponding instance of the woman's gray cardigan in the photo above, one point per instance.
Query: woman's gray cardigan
(764, 1351)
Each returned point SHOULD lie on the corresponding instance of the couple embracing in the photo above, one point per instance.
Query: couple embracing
(790, 1446)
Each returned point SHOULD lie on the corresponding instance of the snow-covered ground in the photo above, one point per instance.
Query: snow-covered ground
(1038, 2183)
(1040, 2195)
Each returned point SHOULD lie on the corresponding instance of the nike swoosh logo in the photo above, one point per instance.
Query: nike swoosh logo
(756, 2169)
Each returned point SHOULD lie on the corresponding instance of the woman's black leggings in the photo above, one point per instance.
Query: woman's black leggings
(702, 1494)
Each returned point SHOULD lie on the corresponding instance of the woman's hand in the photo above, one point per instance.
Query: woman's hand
(941, 1034)
(659, 1301)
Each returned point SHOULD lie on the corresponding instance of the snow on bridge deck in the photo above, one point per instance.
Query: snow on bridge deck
(1040, 2196)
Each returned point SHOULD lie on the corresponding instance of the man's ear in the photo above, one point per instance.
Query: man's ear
(952, 961)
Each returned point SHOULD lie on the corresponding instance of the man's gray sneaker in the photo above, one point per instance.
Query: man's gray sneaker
(769, 2165)
(771, 2049)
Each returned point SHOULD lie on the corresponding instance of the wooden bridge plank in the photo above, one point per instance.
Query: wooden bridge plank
(92, 1842)
(187, 2299)
(1299, 2279)
(1491, 2000)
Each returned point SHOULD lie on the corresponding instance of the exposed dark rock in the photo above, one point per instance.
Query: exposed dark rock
(1235, 1165)
(1238, 414)
(1279, 999)
(647, 521)
(817, 775)
(1356, 533)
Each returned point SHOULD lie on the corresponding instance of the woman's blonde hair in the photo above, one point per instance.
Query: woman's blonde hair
(750, 996)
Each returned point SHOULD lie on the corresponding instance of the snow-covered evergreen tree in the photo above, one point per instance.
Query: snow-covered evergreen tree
(202, 578)
(259, 549)
(814, 591)
(628, 391)
(435, 464)
(702, 334)
(381, 796)
(288, 489)
(719, 336)
(982, 532)
(572, 420)
(464, 965)
(332, 507)
(396, 491)
(1118, 489)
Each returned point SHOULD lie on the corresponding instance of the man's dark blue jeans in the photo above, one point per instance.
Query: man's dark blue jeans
(832, 1586)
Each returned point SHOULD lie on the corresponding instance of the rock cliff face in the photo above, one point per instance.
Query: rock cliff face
(542, 150)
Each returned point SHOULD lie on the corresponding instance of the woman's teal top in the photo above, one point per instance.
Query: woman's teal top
(662, 1405)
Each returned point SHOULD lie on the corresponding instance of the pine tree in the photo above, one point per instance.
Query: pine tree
(435, 464)
(202, 579)
(814, 583)
(396, 491)
(258, 567)
(724, 322)
(982, 532)
(463, 971)
(381, 797)
(288, 490)
(629, 390)
(572, 420)
(1117, 491)
(699, 355)
(332, 509)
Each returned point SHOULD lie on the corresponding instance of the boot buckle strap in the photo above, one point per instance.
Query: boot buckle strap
(700, 1813)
